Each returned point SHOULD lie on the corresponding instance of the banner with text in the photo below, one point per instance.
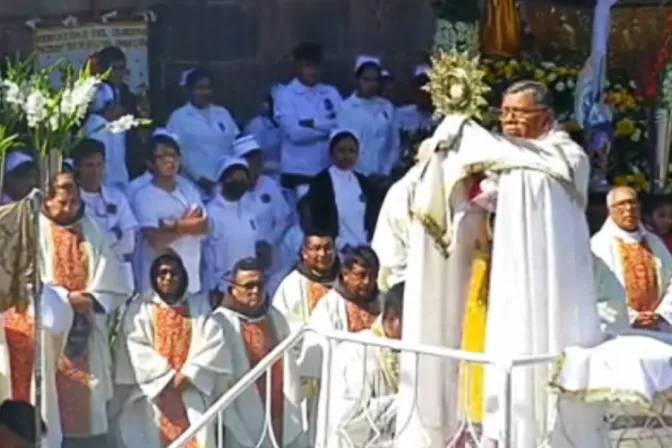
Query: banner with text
(75, 44)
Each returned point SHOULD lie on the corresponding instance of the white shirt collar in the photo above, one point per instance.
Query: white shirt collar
(340, 174)
(624, 235)
(299, 87)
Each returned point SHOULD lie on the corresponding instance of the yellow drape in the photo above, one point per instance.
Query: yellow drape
(473, 338)
(501, 30)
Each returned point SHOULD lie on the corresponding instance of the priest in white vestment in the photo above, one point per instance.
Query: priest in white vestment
(168, 362)
(391, 237)
(17, 345)
(252, 328)
(633, 269)
(540, 279)
(233, 228)
(76, 260)
(363, 406)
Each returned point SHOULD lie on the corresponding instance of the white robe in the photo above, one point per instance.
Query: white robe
(233, 236)
(391, 237)
(272, 216)
(291, 299)
(613, 307)
(540, 277)
(246, 418)
(363, 399)
(372, 120)
(106, 284)
(56, 321)
(141, 373)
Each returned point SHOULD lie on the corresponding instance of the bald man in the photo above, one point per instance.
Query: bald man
(633, 269)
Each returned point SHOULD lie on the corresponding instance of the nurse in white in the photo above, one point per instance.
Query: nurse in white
(233, 231)
(418, 116)
(206, 131)
(371, 117)
(306, 111)
(268, 205)
(106, 206)
(267, 132)
(170, 214)
(104, 110)
(20, 177)
(342, 201)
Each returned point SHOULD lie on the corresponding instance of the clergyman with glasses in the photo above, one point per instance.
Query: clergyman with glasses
(538, 278)
(633, 269)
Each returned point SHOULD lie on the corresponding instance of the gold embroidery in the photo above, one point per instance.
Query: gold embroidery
(21, 345)
(639, 273)
(172, 331)
(315, 293)
(359, 318)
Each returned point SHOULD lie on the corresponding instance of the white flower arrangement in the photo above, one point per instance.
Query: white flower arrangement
(666, 89)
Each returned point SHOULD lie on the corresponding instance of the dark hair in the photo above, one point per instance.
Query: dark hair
(361, 255)
(87, 148)
(109, 55)
(246, 264)
(160, 139)
(656, 201)
(308, 52)
(57, 182)
(393, 301)
(542, 96)
(169, 256)
(196, 75)
(369, 65)
(420, 80)
(339, 137)
(19, 417)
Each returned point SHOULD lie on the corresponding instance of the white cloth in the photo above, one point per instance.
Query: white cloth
(116, 172)
(366, 59)
(56, 321)
(145, 179)
(16, 158)
(269, 136)
(612, 305)
(151, 205)
(206, 136)
(110, 210)
(106, 284)
(391, 237)
(291, 300)
(373, 122)
(245, 418)
(289, 247)
(410, 119)
(539, 278)
(272, 215)
(142, 373)
(233, 236)
(351, 207)
(305, 150)
(363, 403)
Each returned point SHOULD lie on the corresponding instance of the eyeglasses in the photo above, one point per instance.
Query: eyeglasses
(519, 111)
(249, 286)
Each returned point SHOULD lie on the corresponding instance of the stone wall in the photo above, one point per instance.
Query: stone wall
(248, 43)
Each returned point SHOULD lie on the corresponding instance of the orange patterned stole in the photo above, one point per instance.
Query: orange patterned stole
(639, 273)
(359, 318)
(259, 339)
(70, 263)
(315, 293)
(21, 345)
(172, 340)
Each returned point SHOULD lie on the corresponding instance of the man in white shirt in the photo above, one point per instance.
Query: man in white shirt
(106, 206)
(104, 110)
(633, 269)
(170, 214)
(306, 111)
(269, 207)
(233, 230)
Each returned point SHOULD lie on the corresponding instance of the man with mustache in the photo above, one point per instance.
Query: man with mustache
(536, 182)
(633, 269)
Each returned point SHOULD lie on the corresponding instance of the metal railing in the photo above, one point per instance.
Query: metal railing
(325, 342)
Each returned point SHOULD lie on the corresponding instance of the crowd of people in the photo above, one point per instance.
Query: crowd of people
(163, 287)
